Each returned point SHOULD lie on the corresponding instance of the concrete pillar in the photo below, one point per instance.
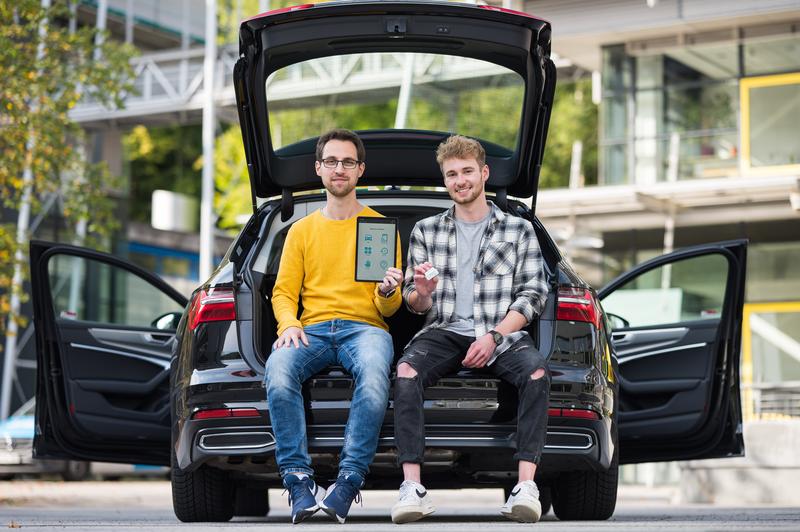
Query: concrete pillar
(102, 19)
(129, 21)
(209, 126)
(647, 121)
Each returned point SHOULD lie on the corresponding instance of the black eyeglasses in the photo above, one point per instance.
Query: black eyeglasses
(348, 164)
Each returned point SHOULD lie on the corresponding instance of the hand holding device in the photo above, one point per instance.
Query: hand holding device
(425, 282)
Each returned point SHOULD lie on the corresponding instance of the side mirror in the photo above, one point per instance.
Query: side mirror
(168, 321)
(617, 322)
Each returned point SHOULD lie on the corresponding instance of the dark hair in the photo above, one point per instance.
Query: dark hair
(341, 134)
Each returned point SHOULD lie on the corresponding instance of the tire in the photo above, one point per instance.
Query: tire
(202, 495)
(251, 502)
(586, 495)
(75, 471)
(546, 499)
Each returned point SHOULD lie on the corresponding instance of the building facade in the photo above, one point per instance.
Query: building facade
(699, 103)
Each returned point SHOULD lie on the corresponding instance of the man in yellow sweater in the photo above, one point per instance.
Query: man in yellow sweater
(342, 323)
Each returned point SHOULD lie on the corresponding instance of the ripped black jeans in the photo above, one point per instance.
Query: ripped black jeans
(438, 353)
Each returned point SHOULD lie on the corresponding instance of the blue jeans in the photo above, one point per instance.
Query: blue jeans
(366, 352)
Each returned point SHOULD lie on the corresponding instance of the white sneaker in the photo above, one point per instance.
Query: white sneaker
(523, 504)
(413, 504)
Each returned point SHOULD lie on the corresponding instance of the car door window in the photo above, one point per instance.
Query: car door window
(688, 290)
(90, 290)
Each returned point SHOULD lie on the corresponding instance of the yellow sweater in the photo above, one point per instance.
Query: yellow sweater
(318, 267)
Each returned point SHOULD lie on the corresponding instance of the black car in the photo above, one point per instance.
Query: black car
(130, 371)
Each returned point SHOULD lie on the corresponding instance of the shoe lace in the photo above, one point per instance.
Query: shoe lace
(295, 491)
(350, 491)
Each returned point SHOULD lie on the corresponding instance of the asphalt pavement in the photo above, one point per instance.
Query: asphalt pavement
(147, 505)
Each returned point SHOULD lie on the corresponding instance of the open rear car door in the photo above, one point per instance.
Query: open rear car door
(676, 324)
(104, 335)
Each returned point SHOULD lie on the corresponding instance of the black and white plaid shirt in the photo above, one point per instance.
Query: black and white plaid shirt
(509, 274)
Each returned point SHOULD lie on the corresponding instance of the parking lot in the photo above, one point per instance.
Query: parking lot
(35, 504)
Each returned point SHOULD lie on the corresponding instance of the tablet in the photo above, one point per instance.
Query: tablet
(376, 247)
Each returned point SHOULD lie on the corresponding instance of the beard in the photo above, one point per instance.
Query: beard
(340, 191)
(475, 192)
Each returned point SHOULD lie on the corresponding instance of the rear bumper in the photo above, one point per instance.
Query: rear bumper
(570, 444)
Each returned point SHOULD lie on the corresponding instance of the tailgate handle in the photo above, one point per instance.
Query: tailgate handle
(396, 25)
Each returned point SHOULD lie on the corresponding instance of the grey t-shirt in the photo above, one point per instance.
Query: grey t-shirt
(468, 245)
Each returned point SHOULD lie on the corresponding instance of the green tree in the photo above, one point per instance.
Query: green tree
(161, 158)
(574, 117)
(232, 12)
(231, 179)
(45, 70)
(171, 157)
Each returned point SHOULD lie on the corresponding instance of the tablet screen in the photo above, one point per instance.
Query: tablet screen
(376, 247)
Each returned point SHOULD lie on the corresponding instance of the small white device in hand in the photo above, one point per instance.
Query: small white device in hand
(430, 274)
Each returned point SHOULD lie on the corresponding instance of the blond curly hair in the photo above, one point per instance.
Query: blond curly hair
(460, 147)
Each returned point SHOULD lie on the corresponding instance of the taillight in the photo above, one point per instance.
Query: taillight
(215, 305)
(218, 413)
(581, 413)
(577, 304)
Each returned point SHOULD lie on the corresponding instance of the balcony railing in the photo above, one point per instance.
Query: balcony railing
(171, 83)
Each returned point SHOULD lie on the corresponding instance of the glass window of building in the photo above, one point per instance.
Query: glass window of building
(770, 114)
(671, 111)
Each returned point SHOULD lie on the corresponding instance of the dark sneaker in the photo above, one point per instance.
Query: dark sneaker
(341, 495)
(303, 496)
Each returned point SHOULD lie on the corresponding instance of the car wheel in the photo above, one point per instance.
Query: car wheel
(251, 502)
(205, 494)
(546, 499)
(75, 470)
(586, 495)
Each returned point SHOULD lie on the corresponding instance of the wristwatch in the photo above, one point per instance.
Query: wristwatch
(497, 337)
(390, 293)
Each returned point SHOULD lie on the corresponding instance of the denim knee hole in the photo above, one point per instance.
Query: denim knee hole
(538, 374)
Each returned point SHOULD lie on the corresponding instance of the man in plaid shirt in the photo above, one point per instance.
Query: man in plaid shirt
(488, 286)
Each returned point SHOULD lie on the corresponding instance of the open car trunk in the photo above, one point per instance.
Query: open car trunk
(455, 37)
(403, 325)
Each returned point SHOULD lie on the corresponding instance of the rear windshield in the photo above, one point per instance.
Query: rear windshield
(395, 91)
